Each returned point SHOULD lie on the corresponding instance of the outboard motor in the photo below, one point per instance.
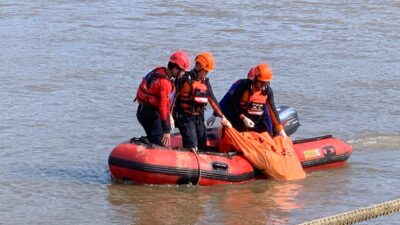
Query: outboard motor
(289, 119)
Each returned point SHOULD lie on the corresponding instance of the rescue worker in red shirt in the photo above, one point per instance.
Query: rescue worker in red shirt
(193, 93)
(248, 101)
(154, 97)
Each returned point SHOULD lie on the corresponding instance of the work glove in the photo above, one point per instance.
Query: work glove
(226, 122)
(172, 121)
(248, 122)
(211, 120)
(283, 133)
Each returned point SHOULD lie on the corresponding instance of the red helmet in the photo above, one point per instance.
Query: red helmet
(181, 59)
(251, 74)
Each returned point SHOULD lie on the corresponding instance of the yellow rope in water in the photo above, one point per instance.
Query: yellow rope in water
(359, 215)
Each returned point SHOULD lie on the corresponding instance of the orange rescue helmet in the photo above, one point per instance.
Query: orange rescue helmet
(206, 61)
(181, 59)
(263, 72)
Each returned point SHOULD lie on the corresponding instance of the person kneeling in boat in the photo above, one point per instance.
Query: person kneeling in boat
(249, 103)
(228, 95)
(154, 97)
(193, 93)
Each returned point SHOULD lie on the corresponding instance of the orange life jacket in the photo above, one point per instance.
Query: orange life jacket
(193, 95)
(200, 92)
(148, 91)
(253, 102)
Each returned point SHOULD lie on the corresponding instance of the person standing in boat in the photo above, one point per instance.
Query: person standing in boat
(193, 93)
(249, 100)
(154, 98)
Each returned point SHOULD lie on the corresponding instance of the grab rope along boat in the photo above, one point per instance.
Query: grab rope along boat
(140, 162)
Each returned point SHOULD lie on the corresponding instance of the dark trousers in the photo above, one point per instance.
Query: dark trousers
(149, 118)
(193, 131)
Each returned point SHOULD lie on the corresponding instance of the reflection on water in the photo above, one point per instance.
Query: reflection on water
(156, 205)
(285, 196)
(261, 202)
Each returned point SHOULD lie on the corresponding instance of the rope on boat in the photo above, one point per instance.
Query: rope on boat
(359, 215)
(194, 150)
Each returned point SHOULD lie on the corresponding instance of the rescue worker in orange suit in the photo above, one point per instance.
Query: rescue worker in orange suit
(154, 97)
(247, 102)
(193, 93)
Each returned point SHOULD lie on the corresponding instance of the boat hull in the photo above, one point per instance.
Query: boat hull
(149, 164)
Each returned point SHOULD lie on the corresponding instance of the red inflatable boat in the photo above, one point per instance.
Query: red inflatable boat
(149, 164)
(139, 162)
